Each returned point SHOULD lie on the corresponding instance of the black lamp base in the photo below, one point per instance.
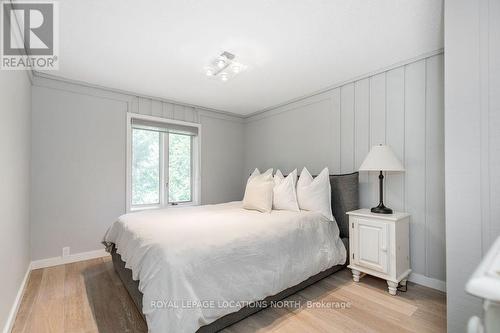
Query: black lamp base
(381, 209)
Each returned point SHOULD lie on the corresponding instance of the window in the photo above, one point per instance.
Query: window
(162, 162)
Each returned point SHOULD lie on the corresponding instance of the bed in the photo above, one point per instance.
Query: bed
(204, 268)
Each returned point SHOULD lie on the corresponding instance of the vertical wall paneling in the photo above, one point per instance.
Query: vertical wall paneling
(377, 125)
(134, 105)
(15, 160)
(196, 115)
(483, 75)
(157, 108)
(472, 142)
(168, 110)
(377, 109)
(336, 121)
(178, 112)
(395, 135)
(434, 186)
(145, 106)
(415, 139)
(493, 123)
(347, 128)
(362, 136)
(189, 114)
(402, 107)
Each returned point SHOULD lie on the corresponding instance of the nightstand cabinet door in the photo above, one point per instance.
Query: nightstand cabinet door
(371, 244)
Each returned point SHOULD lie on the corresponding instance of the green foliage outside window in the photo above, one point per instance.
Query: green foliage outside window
(145, 167)
(179, 168)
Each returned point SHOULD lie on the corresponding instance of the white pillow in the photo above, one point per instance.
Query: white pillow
(256, 172)
(259, 192)
(315, 195)
(284, 192)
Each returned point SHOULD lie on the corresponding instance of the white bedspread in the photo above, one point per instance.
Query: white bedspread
(197, 264)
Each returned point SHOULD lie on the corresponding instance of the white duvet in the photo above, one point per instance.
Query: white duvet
(197, 264)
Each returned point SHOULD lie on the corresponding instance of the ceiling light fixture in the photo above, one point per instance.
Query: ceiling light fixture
(221, 63)
(224, 67)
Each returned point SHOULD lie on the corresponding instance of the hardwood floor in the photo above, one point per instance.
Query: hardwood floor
(88, 296)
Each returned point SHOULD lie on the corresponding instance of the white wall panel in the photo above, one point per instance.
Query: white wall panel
(156, 108)
(362, 136)
(145, 106)
(78, 172)
(178, 112)
(377, 126)
(222, 160)
(15, 148)
(168, 110)
(434, 180)
(493, 123)
(336, 131)
(415, 161)
(196, 115)
(134, 105)
(254, 141)
(347, 128)
(189, 114)
(472, 142)
(302, 139)
(395, 135)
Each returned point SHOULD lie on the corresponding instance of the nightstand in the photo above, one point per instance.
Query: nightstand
(379, 246)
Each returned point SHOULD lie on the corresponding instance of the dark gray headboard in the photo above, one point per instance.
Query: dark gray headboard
(345, 197)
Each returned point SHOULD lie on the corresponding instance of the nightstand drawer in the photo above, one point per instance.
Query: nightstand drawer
(371, 238)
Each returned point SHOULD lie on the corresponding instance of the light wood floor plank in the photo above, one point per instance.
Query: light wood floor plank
(359, 311)
(88, 297)
(28, 302)
(78, 317)
(48, 311)
(323, 319)
(360, 291)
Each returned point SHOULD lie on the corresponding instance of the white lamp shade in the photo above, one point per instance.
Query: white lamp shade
(381, 158)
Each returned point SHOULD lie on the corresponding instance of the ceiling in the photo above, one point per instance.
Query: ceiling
(292, 48)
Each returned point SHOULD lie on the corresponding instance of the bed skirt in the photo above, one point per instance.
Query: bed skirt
(132, 287)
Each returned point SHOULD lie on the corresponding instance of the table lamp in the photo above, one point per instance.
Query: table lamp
(381, 158)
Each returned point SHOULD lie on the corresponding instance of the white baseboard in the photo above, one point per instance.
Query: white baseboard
(55, 261)
(17, 302)
(427, 281)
